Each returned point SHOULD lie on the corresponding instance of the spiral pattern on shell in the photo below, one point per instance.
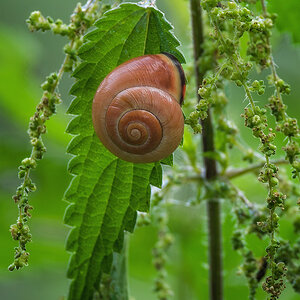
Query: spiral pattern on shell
(136, 110)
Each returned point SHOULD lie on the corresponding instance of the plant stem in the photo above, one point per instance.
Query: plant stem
(213, 205)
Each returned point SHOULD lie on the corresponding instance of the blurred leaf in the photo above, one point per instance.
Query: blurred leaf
(19, 92)
(107, 191)
(190, 148)
(288, 16)
(244, 45)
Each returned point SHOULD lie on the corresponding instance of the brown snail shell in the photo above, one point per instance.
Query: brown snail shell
(136, 109)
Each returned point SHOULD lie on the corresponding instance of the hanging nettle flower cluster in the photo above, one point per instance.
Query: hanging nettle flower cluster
(81, 20)
(229, 22)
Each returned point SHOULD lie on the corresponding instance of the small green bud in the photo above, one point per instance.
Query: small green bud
(50, 20)
(256, 120)
(232, 5)
(29, 162)
(21, 174)
(296, 165)
(261, 91)
(238, 83)
(14, 230)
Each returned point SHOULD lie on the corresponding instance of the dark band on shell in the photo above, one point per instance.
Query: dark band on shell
(181, 74)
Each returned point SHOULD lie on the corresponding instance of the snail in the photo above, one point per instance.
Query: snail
(136, 110)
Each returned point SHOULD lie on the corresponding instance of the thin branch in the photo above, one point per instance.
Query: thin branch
(252, 168)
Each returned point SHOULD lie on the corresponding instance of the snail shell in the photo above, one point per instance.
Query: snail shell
(136, 109)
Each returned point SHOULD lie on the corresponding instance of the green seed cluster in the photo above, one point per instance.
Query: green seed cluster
(37, 21)
(255, 118)
(285, 256)
(244, 216)
(259, 49)
(230, 21)
(274, 284)
(81, 20)
(258, 86)
(290, 255)
(21, 233)
(250, 269)
(207, 92)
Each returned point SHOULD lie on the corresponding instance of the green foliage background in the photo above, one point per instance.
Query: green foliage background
(25, 59)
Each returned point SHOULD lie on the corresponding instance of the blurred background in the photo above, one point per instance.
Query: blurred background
(25, 59)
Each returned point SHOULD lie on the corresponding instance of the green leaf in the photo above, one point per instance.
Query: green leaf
(106, 191)
(168, 160)
(156, 175)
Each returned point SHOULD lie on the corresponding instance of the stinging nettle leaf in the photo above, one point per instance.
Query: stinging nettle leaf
(106, 192)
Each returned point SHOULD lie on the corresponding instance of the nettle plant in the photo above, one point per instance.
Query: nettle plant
(109, 196)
